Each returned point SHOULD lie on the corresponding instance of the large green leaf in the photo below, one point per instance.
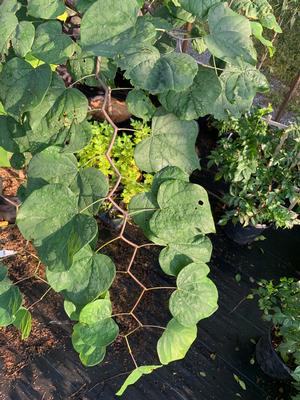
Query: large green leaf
(63, 168)
(199, 8)
(230, 35)
(175, 341)
(58, 249)
(8, 24)
(91, 186)
(184, 212)
(91, 340)
(196, 101)
(23, 38)
(196, 296)
(45, 9)
(104, 21)
(46, 211)
(51, 44)
(10, 298)
(136, 375)
(90, 276)
(23, 87)
(149, 70)
(172, 143)
(176, 256)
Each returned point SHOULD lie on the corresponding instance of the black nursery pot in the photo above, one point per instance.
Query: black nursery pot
(269, 361)
(243, 234)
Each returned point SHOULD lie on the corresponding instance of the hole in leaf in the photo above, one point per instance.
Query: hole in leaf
(200, 202)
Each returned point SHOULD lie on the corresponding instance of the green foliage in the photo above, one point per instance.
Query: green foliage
(280, 304)
(93, 155)
(11, 309)
(47, 122)
(261, 166)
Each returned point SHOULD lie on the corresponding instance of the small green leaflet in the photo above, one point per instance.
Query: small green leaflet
(296, 374)
(175, 341)
(196, 296)
(10, 298)
(136, 375)
(140, 105)
(240, 382)
(23, 322)
(94, 332)
(172, 142)
(11, 310)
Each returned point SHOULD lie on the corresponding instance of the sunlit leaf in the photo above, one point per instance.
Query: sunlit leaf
(196, 295)
(175, 341)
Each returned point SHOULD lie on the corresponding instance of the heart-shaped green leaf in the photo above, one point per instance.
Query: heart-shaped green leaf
(172, 142)
(31, 89)
(10, 298)
(196, 296)
(230, 35)
(90, 275)
(175, 341)
(51, 45)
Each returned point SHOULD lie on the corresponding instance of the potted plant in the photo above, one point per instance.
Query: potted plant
(278, 352)
(261, 166)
